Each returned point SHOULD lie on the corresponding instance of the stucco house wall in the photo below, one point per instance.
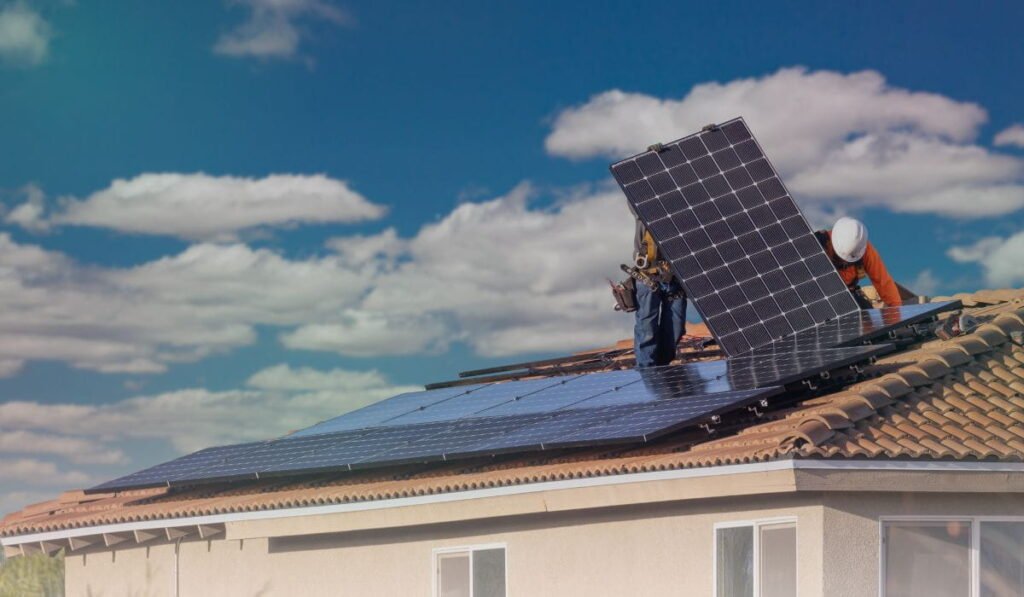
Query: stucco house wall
(662, 549)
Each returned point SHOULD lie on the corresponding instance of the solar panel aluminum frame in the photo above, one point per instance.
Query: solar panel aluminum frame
(750, 289)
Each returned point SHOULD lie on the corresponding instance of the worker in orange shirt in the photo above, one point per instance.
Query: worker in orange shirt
(854, 257)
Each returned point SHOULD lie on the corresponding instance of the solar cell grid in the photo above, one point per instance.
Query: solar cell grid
(179, 468)
(379, 413)
(743, 239)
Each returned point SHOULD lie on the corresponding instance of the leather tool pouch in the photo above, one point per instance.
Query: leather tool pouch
(625, 295)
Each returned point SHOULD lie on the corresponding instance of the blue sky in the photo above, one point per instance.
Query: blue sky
(222, 221)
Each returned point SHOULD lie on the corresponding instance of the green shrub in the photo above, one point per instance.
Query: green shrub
(36, 575)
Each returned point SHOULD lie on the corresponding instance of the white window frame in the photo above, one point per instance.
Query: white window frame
(468, 549)
(756, 525)
(975, 547)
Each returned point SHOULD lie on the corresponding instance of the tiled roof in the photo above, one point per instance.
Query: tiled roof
(958, 399)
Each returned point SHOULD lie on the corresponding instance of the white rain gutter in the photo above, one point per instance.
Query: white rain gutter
(474, 494)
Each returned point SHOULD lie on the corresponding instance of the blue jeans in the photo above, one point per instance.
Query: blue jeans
(660, 323)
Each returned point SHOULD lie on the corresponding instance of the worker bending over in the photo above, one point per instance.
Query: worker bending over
(660, 311)
(854, 257)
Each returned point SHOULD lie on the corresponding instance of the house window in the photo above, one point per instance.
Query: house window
(755, 559)
(955, 557)
(470, 572)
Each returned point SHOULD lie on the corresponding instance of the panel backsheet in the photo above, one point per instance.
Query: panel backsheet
(735, 238)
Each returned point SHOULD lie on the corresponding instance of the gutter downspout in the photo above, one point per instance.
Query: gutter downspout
(177, 569)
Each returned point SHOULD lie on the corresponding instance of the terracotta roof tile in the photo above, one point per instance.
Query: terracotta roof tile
(959, 398)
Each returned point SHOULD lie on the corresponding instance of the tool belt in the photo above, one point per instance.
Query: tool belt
(625, 291)
(625, 295)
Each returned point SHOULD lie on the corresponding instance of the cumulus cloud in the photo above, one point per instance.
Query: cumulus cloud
(999, 258)
(207, 299)
(926, 283)
(199, 206)
(1014, 135)
(275, 28)
(281, 399)
(370, 333)
(39, 440)
(504, 275)
(39, 472)
(24, 36)
(841, 139)
(286, 378)
(75, 449)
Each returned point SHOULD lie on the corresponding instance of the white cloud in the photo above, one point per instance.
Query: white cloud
(275, 28)
(39, 472)
(926, 283)
(369, 333)
(1000, 258)
(1013, 135)
(24, 35)
(200, 206)
(31, 213)
(205, 300)
(503, 275)
(75, 449)
(283, 399)
(284, 377)
(841, 139)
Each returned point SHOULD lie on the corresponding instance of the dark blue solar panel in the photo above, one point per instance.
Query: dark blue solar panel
(722, 217)
(584, 388)
(862, 326)
(179, 468)
(379, 413)
(485, 398)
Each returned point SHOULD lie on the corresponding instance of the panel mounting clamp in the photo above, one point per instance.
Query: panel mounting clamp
(656, 148)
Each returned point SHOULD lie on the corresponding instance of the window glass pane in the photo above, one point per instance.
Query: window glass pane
(735, 554)
(1002, 559)
(489, 573)
(925, 559)
(778, 560)
(453, 575)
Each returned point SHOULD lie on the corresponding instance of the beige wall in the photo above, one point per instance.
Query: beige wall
(647, 549)
(851, 546)
(661, 549)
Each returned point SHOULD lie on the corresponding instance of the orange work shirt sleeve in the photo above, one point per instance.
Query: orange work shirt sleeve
(880, 277)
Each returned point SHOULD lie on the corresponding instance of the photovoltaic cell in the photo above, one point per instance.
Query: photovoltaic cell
(379, 413)
(180, 468)
(546, 413)
(860, 327)
(735, 238)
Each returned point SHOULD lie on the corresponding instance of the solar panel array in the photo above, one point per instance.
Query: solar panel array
(735, 238)
(639, 420)
(549, 413)
(748, 260)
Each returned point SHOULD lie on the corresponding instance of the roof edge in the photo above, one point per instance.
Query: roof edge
(784, 464)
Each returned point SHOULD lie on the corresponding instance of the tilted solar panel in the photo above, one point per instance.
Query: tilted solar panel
(632, 405)
(860, 327)
(735, 238)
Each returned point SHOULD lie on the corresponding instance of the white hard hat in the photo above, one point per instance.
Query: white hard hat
(849, 239)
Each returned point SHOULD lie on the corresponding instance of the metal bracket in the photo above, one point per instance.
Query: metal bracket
(756, 408)
(810, 385)
(856, 368)
(710, 127)
(656, 148)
